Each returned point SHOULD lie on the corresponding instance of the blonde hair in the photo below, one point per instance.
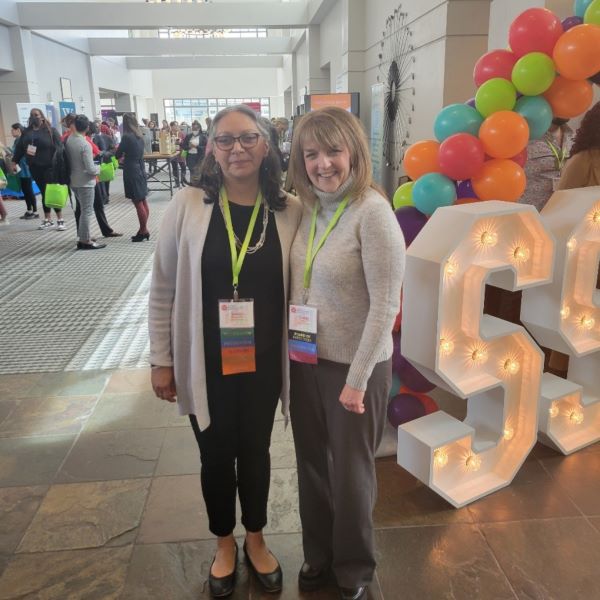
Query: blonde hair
(331, 128)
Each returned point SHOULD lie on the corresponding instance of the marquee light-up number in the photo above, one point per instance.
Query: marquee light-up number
(494, 364)
(565, 316)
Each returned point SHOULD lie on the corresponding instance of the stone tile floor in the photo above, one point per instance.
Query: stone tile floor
(100, 498)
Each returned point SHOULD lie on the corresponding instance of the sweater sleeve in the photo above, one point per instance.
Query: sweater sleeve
(383, 258)
(19, 149)
(162, 290)
(575, 173)
(122, 148)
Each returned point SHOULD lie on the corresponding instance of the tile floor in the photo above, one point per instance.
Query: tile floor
(100, 499)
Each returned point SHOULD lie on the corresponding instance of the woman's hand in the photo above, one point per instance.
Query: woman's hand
(352, 399)
(163, 383)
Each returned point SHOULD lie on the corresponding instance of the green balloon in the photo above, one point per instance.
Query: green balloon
(403, 195)
(592, 14)
(533, 73)
(494, 95)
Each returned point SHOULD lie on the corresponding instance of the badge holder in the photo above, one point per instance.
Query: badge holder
(236, 322)
(302, 334)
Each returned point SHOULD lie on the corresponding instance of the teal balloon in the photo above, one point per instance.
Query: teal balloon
(396, 385)
(457, 118)
(495, 95)
(432, 191)
(537, 112)
(580, 6)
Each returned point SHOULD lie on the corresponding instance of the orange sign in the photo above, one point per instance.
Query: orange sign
(321, 100)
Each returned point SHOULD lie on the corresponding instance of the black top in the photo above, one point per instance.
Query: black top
(132, 147)
(261, 278)
(45, 143)
(134, 175)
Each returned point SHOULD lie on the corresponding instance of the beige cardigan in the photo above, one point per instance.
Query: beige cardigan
(175, 308)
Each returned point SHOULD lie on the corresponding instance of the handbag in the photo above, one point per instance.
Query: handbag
(56, 195)
(3, 182)
(115, 163)
(107, 172)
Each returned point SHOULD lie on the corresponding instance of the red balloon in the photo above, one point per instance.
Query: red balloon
(535, 30)
(428, 402)
(461, 156)
(521, 158)
(497, 63)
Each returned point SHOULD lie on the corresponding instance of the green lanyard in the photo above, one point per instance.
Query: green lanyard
(310, 255)
(238, 260)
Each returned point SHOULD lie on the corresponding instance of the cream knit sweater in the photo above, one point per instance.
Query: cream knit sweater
(356, 280)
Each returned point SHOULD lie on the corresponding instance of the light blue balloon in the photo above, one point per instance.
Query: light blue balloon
(457, 118)
(432, 191)
(396, 385)
(537, 112)
(580, 6)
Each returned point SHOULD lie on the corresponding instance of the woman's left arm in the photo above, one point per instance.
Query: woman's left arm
(383, 257)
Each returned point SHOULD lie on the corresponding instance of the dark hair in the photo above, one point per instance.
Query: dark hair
(45, 123)
(588, 134)
(17, 126)
(130, 125)
(93, 128)
(196, 122)
(68, 120)
(173, 124)
(559, 121)
(209, 176)
(82, 123)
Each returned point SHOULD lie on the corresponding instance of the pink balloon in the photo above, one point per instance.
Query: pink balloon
(535, 30)
(461, 156)
(497, 63)
(521, 158)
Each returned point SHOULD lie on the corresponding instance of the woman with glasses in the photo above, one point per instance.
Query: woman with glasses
(347, 265)
(217, 318)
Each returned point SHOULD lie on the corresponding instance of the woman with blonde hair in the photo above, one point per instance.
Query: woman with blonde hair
(347, 265)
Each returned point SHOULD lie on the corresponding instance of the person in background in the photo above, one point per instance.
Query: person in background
(177, 163)
(106, 144)
(131, 149)
(583, 168)
(37, 144)
(165, 126)
(25, 177)
(83, 180)
(195, 145)
(545, 160)
(231, 410)
(208, 123)
(347, 265)
(3, 212)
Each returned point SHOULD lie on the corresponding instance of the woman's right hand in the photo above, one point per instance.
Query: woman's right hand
(163, 383)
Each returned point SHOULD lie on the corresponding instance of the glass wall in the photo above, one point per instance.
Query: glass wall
(192, 109)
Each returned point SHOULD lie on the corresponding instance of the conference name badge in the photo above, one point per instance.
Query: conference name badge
(302, 334)
(31, 150)
(236, 322)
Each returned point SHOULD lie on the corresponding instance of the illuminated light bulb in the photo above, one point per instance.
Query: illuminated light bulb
(473, 462)
(586, 322)
(565, 312)
(521, 254)
(511, 366)
(479, 355)
(446, 346)
(572, 244)
(489, 238)
(576, 416)
(509, 433)
(440, 458)
(451, 268)
(553, 410)
(595, 217)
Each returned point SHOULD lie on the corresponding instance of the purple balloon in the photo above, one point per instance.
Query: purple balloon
(404, 408)
(596, 78)
(465, 189)
(411, 221)
(571, 22)
(471, 102)
(409, 376)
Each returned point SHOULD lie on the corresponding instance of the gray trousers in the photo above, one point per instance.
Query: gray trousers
(85, 199)
(335, 451)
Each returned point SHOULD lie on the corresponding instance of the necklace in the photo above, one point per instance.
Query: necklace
(261, 239)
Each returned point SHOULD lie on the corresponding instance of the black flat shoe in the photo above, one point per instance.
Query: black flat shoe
(92, 246)
(311, 579)
(221, 587)
(140, 237)
(271, 582)
(357, 593)
(113, 234)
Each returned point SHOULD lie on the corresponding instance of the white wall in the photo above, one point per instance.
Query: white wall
(6, 59)
(331, 42)
(301, 72)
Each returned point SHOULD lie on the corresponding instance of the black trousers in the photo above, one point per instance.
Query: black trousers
(234, 448)
(177, 166)
(105, 228)
(335, 452)
(41, 176)
(27, 189)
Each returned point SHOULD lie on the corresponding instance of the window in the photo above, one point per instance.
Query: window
(196, 33)
(197, 109)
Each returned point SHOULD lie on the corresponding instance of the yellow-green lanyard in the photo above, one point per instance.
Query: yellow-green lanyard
(310, 255)
(238, 260)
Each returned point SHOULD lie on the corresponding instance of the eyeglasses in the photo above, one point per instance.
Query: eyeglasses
(246, 140)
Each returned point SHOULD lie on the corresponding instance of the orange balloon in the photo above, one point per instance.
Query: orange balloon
(422, 158)
(504, 134)
(577, 52)
(500, 179)
(569, 98)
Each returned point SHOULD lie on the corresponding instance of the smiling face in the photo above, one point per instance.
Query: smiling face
(239, 162)
(327, 168)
